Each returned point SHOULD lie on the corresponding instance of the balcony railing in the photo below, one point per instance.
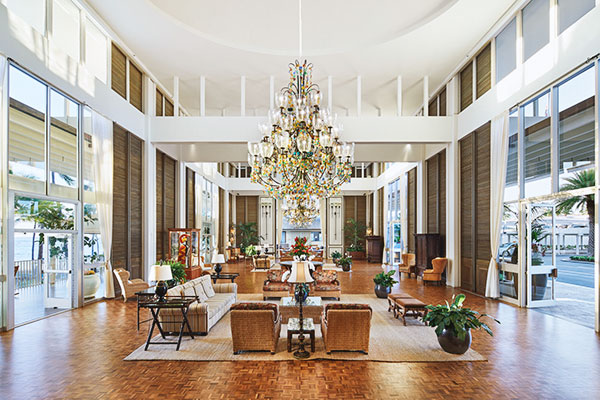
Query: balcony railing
(28, 273)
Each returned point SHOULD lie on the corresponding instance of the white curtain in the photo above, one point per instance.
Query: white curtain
(498, 159)
(102, 146)
(323, 215)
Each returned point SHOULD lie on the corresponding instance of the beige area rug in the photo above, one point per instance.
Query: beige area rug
(390, 341)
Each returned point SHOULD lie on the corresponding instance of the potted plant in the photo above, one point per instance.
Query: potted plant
(453, 324)
(250, 250)
(345, 262)
(248, 235)
(355, 234)
(383, 283)
(336, 255)
(300, 249)
(178, 272)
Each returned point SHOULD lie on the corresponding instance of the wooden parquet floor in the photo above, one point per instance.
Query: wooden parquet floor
(79, 355)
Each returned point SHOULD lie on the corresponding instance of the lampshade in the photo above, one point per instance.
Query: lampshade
(218, 259)
(161, 273)
(300, 273)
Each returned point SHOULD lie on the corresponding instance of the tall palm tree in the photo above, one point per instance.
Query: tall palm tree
(582, 179)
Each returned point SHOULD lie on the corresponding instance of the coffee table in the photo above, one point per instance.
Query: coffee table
(293, 328)
(311, 308)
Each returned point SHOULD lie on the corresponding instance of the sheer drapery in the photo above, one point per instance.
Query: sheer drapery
(102, 146)
(498, 159)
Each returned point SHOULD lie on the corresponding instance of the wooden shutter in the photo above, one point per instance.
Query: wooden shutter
(482, 213)
(442, 200)
(412, 209)
(442, 102)
(431, 166)
(120, 194)
(118, 68)
(190, 198)
(484, 70)
(166, 173)
(168, 108)
(136, 82)
(433, 105)
(466, 86)
(160, 206)
(466, 211)
(159, 103)
(136, 215)
(252, 209)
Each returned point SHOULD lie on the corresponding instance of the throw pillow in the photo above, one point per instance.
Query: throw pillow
(207, 286)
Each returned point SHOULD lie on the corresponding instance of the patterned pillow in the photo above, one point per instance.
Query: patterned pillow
(325, 276)
(207, 286)
(347, 306)
(274, 275)
(254, 306)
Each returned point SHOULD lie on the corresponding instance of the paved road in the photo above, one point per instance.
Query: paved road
(575, 273)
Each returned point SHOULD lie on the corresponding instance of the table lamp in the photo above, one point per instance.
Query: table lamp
(160, 274)
(301, 275)
(218, 259)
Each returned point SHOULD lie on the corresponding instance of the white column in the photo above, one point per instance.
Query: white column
(519, 38)
(330, 92)
(180, 216)
(202, 96)
(426, 96)
(149, 177)
(243, 96)
(376, 212)
(358, 95)
(452, 213)
(493, 62)
(420, 197)
(176, 96)
(399, 96)
(271, 92)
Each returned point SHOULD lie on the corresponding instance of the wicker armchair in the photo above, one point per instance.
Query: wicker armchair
(408, 265)
(129, 287)
(255, 327)
(274, 285)
(326, 284)
(346, 327)
(435, 274)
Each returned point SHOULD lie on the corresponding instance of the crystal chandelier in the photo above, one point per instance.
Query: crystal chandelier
(301, 154)
(300, 213)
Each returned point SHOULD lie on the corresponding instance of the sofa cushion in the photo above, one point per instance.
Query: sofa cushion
(207, 285)
(325, 276)
(327, 287)
(346, 306)
(175, 291)
(276, 287)
(199, 289)
(254, 306)
(188, 289)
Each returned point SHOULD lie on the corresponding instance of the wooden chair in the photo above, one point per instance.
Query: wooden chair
(408, 265)
(435, 274)
(129, 287)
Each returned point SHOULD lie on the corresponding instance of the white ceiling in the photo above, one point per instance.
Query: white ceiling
(224, 40)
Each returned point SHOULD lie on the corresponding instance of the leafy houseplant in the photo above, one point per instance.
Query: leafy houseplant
(336, 255)
(355, 233)
(177, 270)
(248, 233)
(250, 250)
(453, 324)
(383, 283)
(345, 262)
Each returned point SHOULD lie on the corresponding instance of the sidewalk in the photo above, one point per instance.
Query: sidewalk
(573, 303)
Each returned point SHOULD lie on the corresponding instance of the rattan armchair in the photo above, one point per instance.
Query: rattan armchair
(346, 327)
(408, 265)
(129, 286)
(255, 327)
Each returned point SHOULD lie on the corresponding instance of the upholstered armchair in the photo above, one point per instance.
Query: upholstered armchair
(346, 327)
(129, 287)
(326, 284)
(435, 274)
(408, 265)
(274, 285)
(255, 326)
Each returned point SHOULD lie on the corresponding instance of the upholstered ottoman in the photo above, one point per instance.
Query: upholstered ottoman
(392, 299)
(409, 307)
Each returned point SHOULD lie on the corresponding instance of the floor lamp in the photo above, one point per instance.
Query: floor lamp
(300, 275)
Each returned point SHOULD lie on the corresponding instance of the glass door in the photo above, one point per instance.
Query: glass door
(57, 270)
(396, 243)
(541, 254)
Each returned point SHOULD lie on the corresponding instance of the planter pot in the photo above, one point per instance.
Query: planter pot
(346, 268)
(91, 283)
(357, 255)
(382, 291)
(452, 344)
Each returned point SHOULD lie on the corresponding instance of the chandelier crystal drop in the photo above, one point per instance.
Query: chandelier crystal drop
(300, 154)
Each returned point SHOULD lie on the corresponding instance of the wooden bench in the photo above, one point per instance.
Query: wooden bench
(392, 300)
(404, 305)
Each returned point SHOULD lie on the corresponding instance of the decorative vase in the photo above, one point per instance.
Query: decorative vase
(452, 344)
(346, 267)
(301, 292)
(382, 291)
(91, 283)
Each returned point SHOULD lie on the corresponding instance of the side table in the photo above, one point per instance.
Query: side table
(224, 275)
(182, 304)
(293, 328)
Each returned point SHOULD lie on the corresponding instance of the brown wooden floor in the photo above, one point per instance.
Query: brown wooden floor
(79, 355)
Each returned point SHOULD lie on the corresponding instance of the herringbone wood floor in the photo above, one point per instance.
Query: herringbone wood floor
(79, 355)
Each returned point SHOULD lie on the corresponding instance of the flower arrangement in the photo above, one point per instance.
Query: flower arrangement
(300, 248)
(89, 272)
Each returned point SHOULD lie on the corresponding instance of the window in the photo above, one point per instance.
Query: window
(511, 190)
(65, 27)
(136, 84)
(536, 126)
(536, 27)
(31, 11)
(96, 50)
(506, 50)
(484, 70)
(466, 86)
(570, 11)
(64, 125)
(118, 71)
(576, 126)
(27, 132)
